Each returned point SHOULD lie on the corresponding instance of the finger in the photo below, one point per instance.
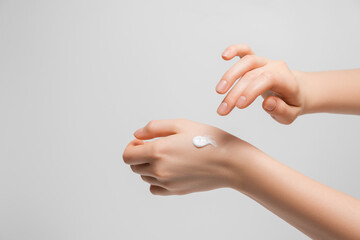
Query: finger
(279, 110)
(142, 169)
(243, 66)
(158, 128)
(266, 81)
(152, 181)
(156, 190)
(232, 97)
(137, 152)
(236, 50)
(137, 142)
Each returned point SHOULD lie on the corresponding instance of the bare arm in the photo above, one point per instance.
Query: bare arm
(315, 209)
(173, 165)
(331, 91)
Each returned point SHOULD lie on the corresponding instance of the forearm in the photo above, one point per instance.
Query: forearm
(331, 91)
(315, 209)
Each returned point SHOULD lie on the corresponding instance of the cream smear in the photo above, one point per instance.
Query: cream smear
(202, 141)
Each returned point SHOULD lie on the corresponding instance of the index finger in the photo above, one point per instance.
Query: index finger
(158, 128)
(244, 65)
(137, 152)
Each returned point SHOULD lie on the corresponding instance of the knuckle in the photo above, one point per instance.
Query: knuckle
(252, 60)
(170, 185)
(232, 47)
(159, 172)
(178, 123)
(244, 47)
(249, 58)
(267, 76)
(181, 120)
(230, 99)
(250, 74)
(281, 63)
(156, 150)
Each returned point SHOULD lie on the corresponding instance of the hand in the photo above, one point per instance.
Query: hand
(171, 164)
(277, 84)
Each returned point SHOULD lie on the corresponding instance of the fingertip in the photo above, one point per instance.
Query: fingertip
(138, 133)
(226, 58)
(227, 54)
(221, 87)
(222, 109)
(242, 102)
(221, 114)
(269, 104)
(217, 91)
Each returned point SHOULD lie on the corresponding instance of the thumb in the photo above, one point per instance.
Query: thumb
(157, 128)
(280, 110)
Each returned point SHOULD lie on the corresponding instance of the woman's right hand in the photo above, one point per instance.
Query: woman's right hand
(273, 80)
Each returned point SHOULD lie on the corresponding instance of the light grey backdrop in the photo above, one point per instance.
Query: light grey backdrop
(77, 78)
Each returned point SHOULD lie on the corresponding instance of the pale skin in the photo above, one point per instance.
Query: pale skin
(172, 165)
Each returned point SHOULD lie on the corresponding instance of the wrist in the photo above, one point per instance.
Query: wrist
(302, 79)
(241, 159)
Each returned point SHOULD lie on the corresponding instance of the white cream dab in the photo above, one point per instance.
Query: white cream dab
(202, 141)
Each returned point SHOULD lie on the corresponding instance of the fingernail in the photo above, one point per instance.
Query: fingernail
(138, 132)
(222, 108)
(241, 102)
(226, 53)
(221, 86)
(271, 104)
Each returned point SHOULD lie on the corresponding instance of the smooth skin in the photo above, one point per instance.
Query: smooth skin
(172, 165)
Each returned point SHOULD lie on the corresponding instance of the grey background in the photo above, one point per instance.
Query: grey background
(77, 78)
